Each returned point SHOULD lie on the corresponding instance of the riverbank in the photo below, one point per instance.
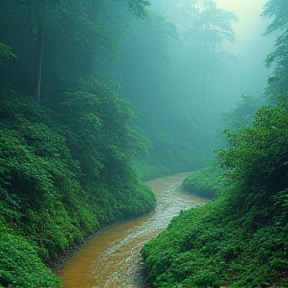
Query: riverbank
(112, 258)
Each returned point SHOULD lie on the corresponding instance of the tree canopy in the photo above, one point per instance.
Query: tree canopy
(277, 12)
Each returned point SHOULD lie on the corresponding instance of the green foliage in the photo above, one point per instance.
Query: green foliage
(64, 170)
(20, 265)
(276, 11)
(177, 139)
(48, 195)
(243, 112)
(186, 249)
(239, 239)
(139, 7)
(207, 182)
(257, 156)
(38, 178)
(5, 54)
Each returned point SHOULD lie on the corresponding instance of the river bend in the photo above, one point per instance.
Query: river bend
(112, 258)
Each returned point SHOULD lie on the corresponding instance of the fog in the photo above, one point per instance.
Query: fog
(180, 65)
(239, 67)
(180, 76)
(98, 97)
(250, 46)
(246, 72)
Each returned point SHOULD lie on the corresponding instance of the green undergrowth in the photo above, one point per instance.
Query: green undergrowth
(20, 263)
(57, 187)
(239, 239)
(204, 247)
(207, 182)
(163, 164)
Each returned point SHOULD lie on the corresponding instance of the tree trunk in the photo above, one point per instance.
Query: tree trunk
(39, 45)
(204, 88)
(211, 77)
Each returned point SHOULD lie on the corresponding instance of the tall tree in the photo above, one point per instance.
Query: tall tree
(41, 36)
(39, 47)
(208, 27)
(277, 12)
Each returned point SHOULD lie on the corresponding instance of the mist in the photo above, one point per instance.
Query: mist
(240, 68)
(99, 97)
(179, 78)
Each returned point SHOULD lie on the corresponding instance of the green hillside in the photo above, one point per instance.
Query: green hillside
(66, 139)
(239, 239)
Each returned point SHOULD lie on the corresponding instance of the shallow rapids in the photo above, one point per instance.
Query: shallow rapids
(112, 259)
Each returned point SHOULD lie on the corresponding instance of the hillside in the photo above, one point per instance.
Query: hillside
(66, 139)
(55, 190)
(239, 239)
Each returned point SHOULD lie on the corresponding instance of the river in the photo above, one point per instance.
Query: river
(112, 259)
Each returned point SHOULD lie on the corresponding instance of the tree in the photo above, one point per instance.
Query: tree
(208, 27)
(256, 157)
(48, 47)
(243, 113)
(277, 11)
(5, 54)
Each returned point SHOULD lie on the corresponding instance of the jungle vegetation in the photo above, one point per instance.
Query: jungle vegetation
(97, 96)
(239, 239)
(66, 139)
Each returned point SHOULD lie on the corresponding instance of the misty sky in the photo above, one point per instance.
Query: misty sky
(250, 44)
(249, 74)
(249, 17)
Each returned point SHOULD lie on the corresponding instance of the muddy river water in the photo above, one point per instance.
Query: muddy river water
(112, 258)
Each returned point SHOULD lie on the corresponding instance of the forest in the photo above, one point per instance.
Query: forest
(238, 239)
(96, 97)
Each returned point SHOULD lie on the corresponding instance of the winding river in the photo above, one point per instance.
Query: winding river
(112, 258)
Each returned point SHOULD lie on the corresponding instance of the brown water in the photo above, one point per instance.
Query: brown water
(112, 259)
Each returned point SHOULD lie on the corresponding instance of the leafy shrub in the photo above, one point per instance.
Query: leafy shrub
(48, 196)
(207, 182)
(20, 265)
(240, 238)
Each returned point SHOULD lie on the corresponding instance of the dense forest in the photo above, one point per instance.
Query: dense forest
(98, 96)
(66, 139)
(240, 238)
